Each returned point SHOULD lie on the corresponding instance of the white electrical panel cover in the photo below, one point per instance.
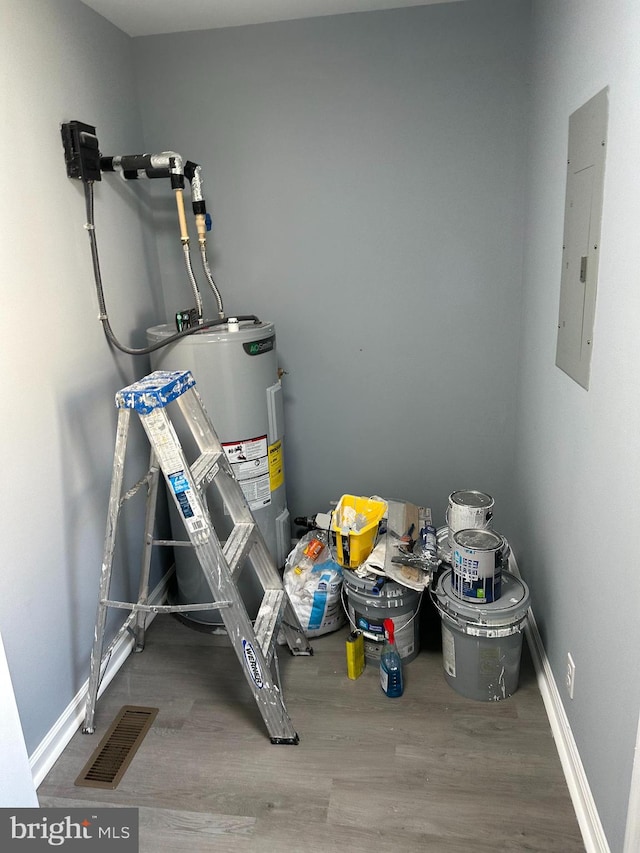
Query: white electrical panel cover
(581, 244)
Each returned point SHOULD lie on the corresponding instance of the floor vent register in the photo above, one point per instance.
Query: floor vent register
(107, 765)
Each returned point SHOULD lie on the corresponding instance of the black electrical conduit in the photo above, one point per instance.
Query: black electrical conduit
(104, 317)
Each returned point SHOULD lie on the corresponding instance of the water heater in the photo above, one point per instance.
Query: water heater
(237, 375)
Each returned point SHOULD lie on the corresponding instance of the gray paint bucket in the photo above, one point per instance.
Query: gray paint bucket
(367, 607)
(482, 643)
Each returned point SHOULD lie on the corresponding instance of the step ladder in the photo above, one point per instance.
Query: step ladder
(254, 643)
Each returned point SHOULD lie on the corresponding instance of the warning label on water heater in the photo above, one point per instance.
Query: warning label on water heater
(250, 462)
(276, 465)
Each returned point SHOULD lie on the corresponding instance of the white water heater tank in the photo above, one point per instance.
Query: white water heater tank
(235, 366)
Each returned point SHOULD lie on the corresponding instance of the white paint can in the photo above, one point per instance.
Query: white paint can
(467, 509)
(478, 559)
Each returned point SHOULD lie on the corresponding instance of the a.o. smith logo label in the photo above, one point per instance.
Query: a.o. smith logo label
(252, 663)
(79, 829)
(258, 347)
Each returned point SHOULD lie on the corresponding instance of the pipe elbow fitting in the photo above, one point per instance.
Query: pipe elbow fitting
(170, 160)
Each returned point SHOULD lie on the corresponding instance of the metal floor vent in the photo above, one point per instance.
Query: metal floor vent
(107, 765)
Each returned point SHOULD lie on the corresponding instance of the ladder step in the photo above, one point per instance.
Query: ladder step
(268, 619)
(205, 468)
(163, 608)
(238, 545)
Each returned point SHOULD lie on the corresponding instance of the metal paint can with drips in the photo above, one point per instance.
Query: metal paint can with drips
(478, 560)
(467, 509)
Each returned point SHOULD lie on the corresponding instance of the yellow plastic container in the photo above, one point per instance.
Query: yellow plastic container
(353, 546)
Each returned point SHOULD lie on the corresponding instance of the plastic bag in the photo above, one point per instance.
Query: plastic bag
(313, 582)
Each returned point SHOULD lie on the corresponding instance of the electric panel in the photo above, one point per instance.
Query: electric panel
(581, 243)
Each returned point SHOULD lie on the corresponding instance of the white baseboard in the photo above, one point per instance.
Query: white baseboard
(588, 819)
(55, 741)
(584, 805)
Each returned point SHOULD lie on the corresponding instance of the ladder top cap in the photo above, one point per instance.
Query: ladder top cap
(155, 391)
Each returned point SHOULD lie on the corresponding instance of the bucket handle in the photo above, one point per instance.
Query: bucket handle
(442, 610)
(478, 629)
(355, 627)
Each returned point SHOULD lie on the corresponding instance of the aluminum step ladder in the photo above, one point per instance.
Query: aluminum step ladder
(253, 643)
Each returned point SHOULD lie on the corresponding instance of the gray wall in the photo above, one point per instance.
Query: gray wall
(365, 176)
(578, 468)
(60, 61)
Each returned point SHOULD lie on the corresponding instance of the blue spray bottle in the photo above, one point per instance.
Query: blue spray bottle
(390, 663)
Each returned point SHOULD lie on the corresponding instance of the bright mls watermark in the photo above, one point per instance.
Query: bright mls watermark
(77, 829)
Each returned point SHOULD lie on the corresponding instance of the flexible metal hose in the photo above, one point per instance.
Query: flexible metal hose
(207, 272)
(103, 316)
(192, 279)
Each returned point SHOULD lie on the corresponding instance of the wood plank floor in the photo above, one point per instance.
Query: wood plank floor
(430, 771)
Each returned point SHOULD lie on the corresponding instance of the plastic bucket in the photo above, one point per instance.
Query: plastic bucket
(477, 564)
(368, 606)
(354, 544)
(482, 643)
(469, 508)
